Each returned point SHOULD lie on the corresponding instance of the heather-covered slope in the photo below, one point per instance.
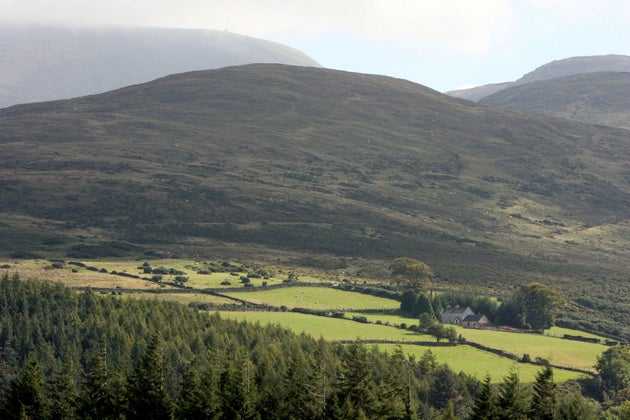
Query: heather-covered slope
(272, 160)
(596, 98)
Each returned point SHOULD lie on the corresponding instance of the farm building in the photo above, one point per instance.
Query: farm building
(477, 321)
(465, 317)
(456, 315)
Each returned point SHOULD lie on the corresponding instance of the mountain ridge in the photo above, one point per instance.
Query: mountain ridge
(554, 69)
(42, 63)
(595, 98)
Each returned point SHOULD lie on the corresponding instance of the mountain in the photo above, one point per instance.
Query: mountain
(478, 92)
(270, 161)
(596, 98)
(552, 70)
(41, 63)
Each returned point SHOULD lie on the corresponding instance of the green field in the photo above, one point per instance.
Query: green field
(478, 363)
(557, 351)
(184, 298)
(317, 298)
(327, 328)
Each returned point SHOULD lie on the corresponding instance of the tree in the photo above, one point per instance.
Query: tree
(97, 397)
(511, 402)
(423, 306)
(408, 273)
(355, 389)
(25, 396)
(64, 395)
(543, 404)
(532, 306)
(445, 388)
(148, 395)
(394, 396)
(485, 405)
(614, 369)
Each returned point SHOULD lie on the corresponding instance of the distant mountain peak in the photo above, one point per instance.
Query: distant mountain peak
(557, 68)
(40, 63)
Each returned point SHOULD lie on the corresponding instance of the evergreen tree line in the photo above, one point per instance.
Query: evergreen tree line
(70, 355)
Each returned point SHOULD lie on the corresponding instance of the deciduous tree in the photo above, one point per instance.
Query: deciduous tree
(408, 273)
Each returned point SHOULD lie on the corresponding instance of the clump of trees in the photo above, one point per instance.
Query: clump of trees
(533, 306)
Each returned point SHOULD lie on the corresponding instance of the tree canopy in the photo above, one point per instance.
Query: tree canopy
(408, 273)
(533, 306)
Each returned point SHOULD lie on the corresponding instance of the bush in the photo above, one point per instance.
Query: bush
(226, 282)
(181, 279)
(156, 277)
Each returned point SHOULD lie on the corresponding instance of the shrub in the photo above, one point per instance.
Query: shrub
(181, 279)
(226, 282)
(360, 318)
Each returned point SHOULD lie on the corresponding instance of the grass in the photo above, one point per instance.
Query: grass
(557, 351)
(479, 363)
(183, 298)
(40, 269)
(317, 298)
(326, 328)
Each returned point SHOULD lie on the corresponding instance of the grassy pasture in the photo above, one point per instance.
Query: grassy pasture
(317, 298)
(38, 269)
(183, 298)
(558, 351)
(478, 363)
(327, 328)
(559, 332)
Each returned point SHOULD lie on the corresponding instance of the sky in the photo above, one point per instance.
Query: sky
(443, 44)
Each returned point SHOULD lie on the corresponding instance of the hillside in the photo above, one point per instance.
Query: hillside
(597, 98)
(555, 69)
(273, 161)
(41, 63)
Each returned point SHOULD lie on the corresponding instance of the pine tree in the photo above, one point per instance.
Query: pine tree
(543, 404)
(394, 395)
(25, 396)
(63, 394)
(511, 402)
(198, 394)
(445, 388)
(355, 385)
(233, 384)
(97, 400)
(485, 404)
(148, 395)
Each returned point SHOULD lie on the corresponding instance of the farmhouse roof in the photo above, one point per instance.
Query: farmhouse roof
(456, 310)
(474, 318)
